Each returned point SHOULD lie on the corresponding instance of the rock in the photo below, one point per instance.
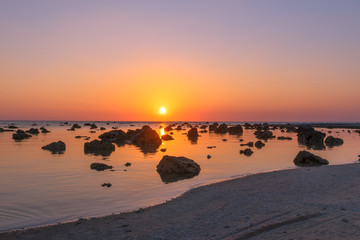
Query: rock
(74, 126)
(172, 169)
(213, 127)
(249, 144)
(311, 138)
(44, 130)
(12, 127)
(259, 144)
(167, 137)
(263, 134)
(203, 127)
(284, 138)
(2, 130)
(236, 130)
(114, 136)
(106, 185)
(304, 158)
(102, 128)
(291, 129)
(331, 141)
(163, 150)
(55, 147)
(127, 164)
(93, 126)
(222, 129)
(247, 152)
(203, 131)
(224, 140)
(210, 147)
(208, 156)
(100, 166)
(96, 147)
(193, 134)
(20, 135)
(33, 131)
(147, 139)
(178, 128)
(168, 128)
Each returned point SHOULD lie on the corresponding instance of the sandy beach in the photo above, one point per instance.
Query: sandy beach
(305, 203)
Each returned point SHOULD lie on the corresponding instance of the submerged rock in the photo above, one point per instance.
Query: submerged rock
(247, 152)
(100, 166)
(55, 147)
(331, 141)
(96, 147)
(172, 169)
(305, 158)
(20, 135)
(167, 137)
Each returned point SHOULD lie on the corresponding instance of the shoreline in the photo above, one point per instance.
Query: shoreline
(202, 202)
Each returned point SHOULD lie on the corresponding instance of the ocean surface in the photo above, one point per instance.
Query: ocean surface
(39, 188)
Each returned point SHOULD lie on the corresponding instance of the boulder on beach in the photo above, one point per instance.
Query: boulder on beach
(20, 135)
(331, 141)
(305, 158)
(100, 166)
(259, 144)
(172, 169)
(193, 134)
(311, 138)
(167, 137)
(33, 131)
(96, 147)
(236, 130)
(55, 147)
(247, 152)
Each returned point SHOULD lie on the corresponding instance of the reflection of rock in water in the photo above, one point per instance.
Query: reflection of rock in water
(96, 147)
(311, 138)
(172, 169)
(304, 158)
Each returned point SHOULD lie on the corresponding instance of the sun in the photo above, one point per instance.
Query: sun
(162, 110)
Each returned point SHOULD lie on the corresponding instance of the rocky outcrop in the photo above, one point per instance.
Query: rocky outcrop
(100, 166)
(147, 139)
(247, 152)
(236, 130)
(222, 129)
(167, 137)
(304, 158)
(331, 141)
(259, 144)
(172, 169)
(193, 134)
(213, 127)
(55, 147)
(114, 136)
(311, 138)
(96, 147)
(20, 135)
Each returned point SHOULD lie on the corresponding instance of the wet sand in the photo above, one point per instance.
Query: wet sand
(305, 203)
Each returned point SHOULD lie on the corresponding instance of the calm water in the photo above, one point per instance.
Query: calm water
(39, 188)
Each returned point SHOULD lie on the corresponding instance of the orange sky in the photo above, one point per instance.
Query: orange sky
(202, 61)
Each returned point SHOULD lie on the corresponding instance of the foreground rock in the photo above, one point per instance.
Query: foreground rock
(55, 147)
(20, 135)
(172, 169)
(96, 147)
(305, 158)
(100, 166)
(311, 138)
(331, 141)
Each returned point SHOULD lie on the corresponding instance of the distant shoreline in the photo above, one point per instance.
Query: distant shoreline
(311, 202)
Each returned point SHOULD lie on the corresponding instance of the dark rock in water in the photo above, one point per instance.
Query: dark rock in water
(163, 150)
(55, 147)
(331, 141)
(291, 129)
(167, 137)
(2, 130)
(284, 138)
(178, 128)
(147, 139)
(171, 133)
(304, 158)
(263, 134)
(203, 131)
(44, 130)
(100, 166)
(172, 169)
(127, 164)
(210, 147)
(259, 144)
(203, 127)
(102, 128)
(33, 131)
(241, 140)
(311, 138)
(92, 131)
(208, 156)
(193, 134)
(224, 140)
(247, 152)
(78, 136)
(114, 136)
(87, 124)
(74, 126)
(222, 129)
(12, 127)
(168, 128)
(236, 130)
(20, 135)
(106, 185)
(249, 144)
(93, 126)
(96, 147)
(213, 127)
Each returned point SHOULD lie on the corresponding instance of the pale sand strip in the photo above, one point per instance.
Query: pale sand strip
(307, 203)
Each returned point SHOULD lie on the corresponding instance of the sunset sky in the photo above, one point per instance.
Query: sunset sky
(201, 60)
